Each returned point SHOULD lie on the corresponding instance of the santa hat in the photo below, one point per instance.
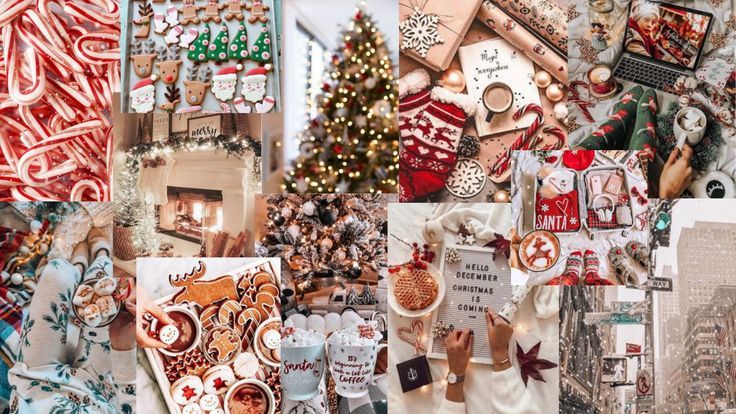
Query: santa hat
(142, 88)
(229, 73)
(254, 75)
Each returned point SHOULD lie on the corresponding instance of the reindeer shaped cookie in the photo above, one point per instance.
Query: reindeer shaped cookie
(197, 84)
(146, 12)
(202, 292)
(168, 63)
(143, 55)
(172, 99)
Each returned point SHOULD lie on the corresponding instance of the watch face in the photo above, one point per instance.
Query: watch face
(451, 378)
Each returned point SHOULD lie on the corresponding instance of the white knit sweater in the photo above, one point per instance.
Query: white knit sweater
(508, 396)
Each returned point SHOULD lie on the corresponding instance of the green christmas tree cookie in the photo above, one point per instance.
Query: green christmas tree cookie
(198, 48)
(239, 46)
(218, 48)
(261, 50)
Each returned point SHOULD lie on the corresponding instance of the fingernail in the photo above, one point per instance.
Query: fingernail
(471, 332)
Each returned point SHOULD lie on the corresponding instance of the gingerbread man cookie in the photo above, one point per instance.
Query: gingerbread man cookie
(189, 13)
(223, 343)
(257, 11)
(212, 11)
(234, 10)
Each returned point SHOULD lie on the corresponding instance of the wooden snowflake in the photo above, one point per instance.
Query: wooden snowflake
(588, 53)
(731, 22)
(572, 124)
(572, 13)
(419, 32)
(718, 40)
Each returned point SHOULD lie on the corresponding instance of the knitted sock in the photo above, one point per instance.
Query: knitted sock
(592, 265)
(638, 252)
(621, 267)
(413, 98)
(571, 275)
(611, 135)
(430, 149)
(644, 134)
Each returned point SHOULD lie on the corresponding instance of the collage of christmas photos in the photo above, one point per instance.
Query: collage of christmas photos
(368, 206)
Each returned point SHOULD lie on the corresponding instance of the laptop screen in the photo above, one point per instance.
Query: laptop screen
(667, 33)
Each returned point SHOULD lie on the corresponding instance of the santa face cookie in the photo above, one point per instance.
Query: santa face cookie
(224, 82)
(218, 379)
(187, 390)
(83, 295)
(105, 286)
(143, 96)
(254, 85)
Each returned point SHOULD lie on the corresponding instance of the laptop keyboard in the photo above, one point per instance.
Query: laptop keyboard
(644, 73)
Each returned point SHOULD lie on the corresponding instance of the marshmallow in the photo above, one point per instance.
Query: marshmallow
(168, 334)
(297, 337)
(92, 315)
(316, 323)
(84, 295)
(358, 335)
(333, 322)
(209, 402)
(105, 286)
(298, 320)
(107, 305)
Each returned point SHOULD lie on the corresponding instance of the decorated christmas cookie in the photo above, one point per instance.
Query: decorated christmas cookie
(218, 379)
(217, 51)
(187, 390)
(145, 11)
(209, 402)
(172, 99)
(143, 96)
(257, 12)
(261, 50)
(238, 48)
(268, 103)
(254, 85)
(246, 365)
(143, 54)
(197, 84)
(235, 10)
(192, 408)
(168, 64)
(224, 82)
(198, 49)
(189, 12)
(212, 11)
(202, 292)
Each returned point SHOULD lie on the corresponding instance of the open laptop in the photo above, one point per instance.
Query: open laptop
(662, 42)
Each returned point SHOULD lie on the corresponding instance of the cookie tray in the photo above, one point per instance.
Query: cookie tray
(154, 357)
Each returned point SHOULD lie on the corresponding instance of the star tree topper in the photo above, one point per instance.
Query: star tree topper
(419, 32)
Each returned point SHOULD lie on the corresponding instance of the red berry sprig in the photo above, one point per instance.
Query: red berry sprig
(419, 258)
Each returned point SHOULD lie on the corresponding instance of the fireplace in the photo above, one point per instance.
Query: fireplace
(190, 212)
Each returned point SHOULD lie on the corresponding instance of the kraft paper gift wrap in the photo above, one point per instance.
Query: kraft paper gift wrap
(545, 18)
(505, 26)
(455, 18)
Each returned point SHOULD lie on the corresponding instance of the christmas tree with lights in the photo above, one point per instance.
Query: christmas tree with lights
(352, 145)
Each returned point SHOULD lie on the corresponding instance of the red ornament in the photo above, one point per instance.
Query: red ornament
(337, 149)
(326, 87)
(358, 15)
(348, 46)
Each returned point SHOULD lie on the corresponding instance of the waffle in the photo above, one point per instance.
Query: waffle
(188, 363)
(415, 289)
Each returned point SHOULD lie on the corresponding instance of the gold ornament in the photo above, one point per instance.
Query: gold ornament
(542, 79)
(501, 196)
(555, 92)
(452, 80)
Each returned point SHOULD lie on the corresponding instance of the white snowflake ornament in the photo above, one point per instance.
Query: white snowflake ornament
(419, 32)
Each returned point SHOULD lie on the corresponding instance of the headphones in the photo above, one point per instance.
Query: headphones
(604, 213)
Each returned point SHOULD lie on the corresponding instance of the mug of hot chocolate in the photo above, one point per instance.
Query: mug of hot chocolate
(181, 336)
(352, 354)
(539, 250)
(497, 98)
(249, 396)
(302, 362)
(97, 302)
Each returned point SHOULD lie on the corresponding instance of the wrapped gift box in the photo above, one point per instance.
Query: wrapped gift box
(715, 71)
(454, 17)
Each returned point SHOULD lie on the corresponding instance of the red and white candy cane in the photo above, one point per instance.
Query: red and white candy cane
(558, 134)
(522, 141)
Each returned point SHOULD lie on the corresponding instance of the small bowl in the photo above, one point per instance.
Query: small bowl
(268, 393)
(528, 239)
(206, 340)
(195, 320)
(257, 346)
(91, 282)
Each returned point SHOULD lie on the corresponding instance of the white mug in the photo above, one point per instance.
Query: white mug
(301, 370)
(691, 137)
(352, 367)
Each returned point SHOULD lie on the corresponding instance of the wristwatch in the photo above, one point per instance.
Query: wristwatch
(453, 378)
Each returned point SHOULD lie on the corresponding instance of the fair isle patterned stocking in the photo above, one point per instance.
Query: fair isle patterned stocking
(413, 97)
(430, 149)
(612, 134)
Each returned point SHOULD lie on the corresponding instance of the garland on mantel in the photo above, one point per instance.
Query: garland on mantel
(236, 146)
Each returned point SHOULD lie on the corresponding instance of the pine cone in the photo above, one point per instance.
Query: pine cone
(469, 146)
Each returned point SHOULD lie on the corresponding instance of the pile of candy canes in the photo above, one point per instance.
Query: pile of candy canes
(59, 69)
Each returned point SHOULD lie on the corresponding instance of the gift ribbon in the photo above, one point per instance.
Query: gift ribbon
(417, 329)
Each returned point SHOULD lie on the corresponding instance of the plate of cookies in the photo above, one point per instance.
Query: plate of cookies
(415, 292)
(223, 350)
